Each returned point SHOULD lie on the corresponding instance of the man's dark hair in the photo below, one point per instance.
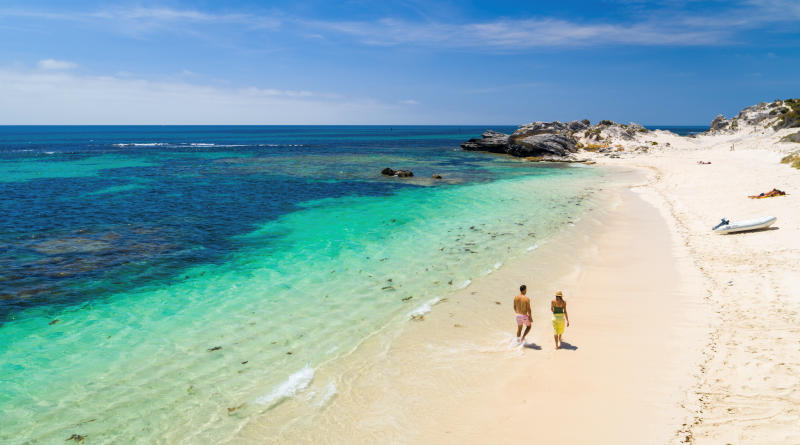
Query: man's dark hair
(522, 288)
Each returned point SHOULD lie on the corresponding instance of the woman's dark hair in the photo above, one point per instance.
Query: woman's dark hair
(560, 297)
(522, 288)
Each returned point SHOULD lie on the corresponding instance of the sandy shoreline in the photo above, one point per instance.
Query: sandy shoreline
(632, 351)
(661, 349)
(749, 391)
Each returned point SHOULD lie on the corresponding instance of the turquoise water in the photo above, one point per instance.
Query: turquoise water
(219, 314)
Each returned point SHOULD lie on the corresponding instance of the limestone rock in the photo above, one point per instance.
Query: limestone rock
(387, 172)
(437, 176)
(491, 141)
(541, 144)
(719, 122)
(554, 127)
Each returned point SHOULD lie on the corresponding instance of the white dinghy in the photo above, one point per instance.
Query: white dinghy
(740, 226)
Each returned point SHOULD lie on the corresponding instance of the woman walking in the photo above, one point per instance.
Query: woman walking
(559, 309)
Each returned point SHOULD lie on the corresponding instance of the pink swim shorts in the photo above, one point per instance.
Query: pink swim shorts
(523, 319)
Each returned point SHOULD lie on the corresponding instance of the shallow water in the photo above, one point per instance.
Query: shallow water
(198, 286)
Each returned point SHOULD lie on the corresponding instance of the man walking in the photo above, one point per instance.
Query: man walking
(522, 306)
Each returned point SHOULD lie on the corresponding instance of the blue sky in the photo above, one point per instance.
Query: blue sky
(393, 62)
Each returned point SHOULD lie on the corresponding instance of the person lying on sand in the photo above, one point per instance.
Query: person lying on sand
(774, 192)
(559, 309)
(522, 306)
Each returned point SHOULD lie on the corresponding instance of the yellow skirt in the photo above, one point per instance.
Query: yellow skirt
(558, 324)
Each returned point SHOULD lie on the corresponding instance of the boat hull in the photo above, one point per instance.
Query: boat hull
(742, 226)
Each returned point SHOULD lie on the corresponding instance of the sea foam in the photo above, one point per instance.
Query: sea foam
(424, 309)
(296, 382)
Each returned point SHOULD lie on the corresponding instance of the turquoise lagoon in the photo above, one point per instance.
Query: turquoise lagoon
(170, 284)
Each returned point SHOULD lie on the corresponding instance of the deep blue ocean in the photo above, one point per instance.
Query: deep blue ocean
(92, 211)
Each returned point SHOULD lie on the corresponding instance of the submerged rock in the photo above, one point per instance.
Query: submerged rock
(397, 173)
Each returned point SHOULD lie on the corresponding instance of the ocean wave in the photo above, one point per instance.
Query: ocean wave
(463, 285)
(153, 144)
(296, 382)
(332, 349)
(424, 309)
(533, 247)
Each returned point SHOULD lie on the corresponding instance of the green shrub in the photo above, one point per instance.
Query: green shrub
(654, 143)
(790, 118)
(643, 130)
(594, 147)
(793, 160)
(606, 122)
(586, 122)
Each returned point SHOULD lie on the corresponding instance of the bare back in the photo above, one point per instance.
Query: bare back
(522, 305)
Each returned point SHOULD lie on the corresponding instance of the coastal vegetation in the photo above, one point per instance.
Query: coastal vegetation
(793, 160)
(791, 117)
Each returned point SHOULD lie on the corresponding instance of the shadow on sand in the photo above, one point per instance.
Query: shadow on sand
(532, 346)
(567, 346)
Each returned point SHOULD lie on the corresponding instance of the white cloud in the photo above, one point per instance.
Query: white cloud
(657, 27)
(60, 98)
(408, 102)
(520, 35)
(50, 64)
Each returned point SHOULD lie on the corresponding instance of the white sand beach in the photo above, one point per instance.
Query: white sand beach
(747, 391)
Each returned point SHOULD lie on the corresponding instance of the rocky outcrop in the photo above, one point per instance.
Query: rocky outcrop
(720, 122)
(397, 173)
(491, 141)
(543, 144)
(554, 127)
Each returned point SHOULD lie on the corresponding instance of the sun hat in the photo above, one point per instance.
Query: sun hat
(559, 294)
